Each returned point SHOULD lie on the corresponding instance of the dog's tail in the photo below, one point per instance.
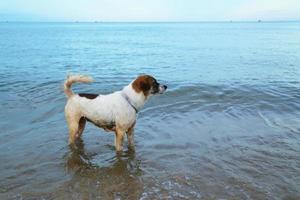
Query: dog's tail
(74, 79)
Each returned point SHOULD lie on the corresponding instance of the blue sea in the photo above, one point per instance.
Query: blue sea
(228, 126)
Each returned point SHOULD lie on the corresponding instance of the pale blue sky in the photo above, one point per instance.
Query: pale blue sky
(148, 10)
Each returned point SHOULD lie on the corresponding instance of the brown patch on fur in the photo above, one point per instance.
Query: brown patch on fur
(104, 125)
(143, 84)
(88, 96)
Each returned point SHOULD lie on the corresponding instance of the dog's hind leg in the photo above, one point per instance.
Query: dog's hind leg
(81, 126)
(73, 131)
(73, 119)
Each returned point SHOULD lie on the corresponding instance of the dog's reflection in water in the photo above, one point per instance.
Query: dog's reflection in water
(118, 179)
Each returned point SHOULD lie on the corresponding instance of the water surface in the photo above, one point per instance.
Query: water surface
(227, 128)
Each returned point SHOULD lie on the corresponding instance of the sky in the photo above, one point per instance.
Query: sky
(149, 10)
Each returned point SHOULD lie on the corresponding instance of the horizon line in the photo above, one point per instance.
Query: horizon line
(188, 21)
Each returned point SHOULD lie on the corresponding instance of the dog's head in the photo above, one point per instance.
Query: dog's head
(148, 85)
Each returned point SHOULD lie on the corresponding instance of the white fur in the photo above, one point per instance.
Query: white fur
(116, 111)
(112, 107)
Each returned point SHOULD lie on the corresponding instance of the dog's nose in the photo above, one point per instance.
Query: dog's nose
(165, 87)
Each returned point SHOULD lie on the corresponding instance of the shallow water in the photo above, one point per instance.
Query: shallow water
(227, 128)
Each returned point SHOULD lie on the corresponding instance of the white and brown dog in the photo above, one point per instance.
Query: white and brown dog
(113, 112)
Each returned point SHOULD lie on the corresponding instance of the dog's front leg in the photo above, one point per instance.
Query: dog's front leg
(130, 136)
(119, 139)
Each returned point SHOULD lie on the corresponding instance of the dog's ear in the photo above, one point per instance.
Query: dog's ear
(145, 86)
(142, 84)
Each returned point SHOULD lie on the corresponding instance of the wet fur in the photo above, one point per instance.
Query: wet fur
(112, 112)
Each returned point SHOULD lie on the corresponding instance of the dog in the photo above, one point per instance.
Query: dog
(115, 112)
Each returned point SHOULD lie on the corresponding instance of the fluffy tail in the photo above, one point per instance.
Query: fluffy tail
(73, 79)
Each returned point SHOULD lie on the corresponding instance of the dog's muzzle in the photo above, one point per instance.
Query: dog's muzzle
(162, 89)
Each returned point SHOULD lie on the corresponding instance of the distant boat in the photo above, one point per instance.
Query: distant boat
(259, 21)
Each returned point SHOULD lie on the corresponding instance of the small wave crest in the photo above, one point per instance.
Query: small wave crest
(223, 98)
